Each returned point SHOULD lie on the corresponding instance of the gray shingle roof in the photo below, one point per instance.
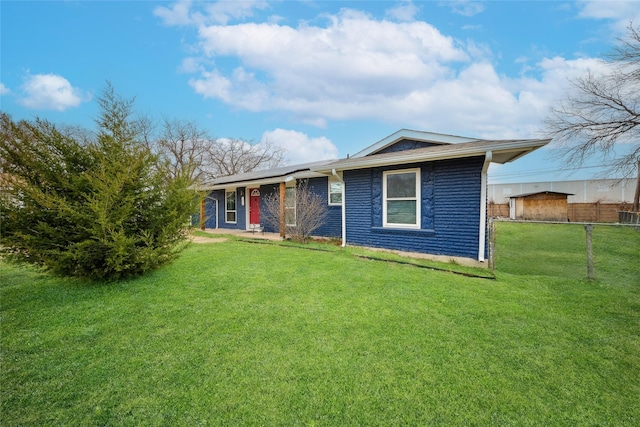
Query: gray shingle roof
(502, 151)
(267, 173)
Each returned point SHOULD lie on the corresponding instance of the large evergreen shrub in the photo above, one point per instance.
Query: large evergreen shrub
(97, 205)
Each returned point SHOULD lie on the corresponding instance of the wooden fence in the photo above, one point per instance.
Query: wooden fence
(576, 212)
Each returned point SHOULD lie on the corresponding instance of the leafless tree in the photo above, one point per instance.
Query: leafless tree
(186, 148)
(234, 156)
(145, 127)
(191, 150)
(603, 110)
(304, 211)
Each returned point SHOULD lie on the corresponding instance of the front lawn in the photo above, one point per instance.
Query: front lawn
(236, 333)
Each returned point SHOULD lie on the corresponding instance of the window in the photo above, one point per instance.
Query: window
(230, 206)
(335, 192)
(401, 204)
(290, 206)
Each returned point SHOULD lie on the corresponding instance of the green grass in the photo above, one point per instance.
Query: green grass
(244, 334)
(560, 250)
(333, 245)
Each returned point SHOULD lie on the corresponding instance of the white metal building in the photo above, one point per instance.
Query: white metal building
(583, 191)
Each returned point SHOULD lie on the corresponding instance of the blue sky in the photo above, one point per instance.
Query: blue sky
(322, 79)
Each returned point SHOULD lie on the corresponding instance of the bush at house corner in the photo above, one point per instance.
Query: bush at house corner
(98, 206)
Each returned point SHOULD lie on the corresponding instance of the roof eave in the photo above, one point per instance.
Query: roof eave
(500, 155)
(263, 181)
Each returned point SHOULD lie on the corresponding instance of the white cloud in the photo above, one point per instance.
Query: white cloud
(621, 13)
(357, 67)
(406, 11)
(4, 90)
(177, 14)
(223, 11)
(299, 147)
(599, 9)
(190, 65)
(465, 7)
(334, 71)
(50, 92)
(181, 13)
(472, 27)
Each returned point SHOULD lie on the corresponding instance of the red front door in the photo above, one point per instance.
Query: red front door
(254, 206)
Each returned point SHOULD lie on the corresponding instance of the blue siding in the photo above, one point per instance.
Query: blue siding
(267, 191)
(450, 209)
(333, 226)
(211, 214)
(320, 186)
(406, 144)
(210, 210)
(241, 217)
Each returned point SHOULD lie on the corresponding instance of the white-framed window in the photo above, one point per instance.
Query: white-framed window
(290, 206)
(335, 192)
(230, 206)
(401, 198)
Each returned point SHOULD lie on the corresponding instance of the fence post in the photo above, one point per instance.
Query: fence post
(589, 228)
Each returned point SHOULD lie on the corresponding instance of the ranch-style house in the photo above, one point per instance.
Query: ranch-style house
(412, 191)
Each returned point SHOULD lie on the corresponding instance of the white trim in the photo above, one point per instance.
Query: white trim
(248, 208)
(344, 208)
(417, 198)
(334, 180)
(293, 185)
(235, 191)
(483, 206)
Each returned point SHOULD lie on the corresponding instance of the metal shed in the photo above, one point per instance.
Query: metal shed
(539, 206)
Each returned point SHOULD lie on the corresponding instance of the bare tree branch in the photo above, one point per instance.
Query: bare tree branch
(602, 111)
(311, 212)
(184, 146)
(234, 156)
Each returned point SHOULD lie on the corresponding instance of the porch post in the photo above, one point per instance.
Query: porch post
(283, 192)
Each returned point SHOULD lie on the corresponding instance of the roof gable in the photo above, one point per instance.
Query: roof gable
(407, 144)
(405, 139)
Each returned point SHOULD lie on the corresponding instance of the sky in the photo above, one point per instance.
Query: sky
(321, 79)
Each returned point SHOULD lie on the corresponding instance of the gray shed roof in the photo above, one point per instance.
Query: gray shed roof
(540, 192)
